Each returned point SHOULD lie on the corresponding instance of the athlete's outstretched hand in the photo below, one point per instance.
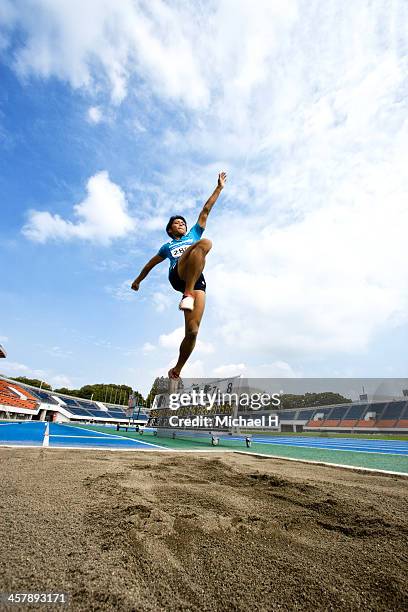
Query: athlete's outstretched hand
(135, 286)
(222, 177)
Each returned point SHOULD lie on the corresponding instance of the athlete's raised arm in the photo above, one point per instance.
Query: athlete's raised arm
(202, 219)
(149, 266)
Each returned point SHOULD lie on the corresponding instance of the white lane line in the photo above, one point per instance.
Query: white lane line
(82, 437)
(46, 441)
(112, 436)
(108, 441)
(337, 465)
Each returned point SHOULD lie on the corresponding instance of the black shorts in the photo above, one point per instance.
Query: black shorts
(179, 285)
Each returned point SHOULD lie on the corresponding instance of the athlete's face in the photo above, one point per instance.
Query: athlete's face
(178, 228)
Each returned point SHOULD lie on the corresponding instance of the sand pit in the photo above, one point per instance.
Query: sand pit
(153, 531)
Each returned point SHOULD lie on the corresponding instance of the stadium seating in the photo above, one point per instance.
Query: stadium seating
(386, 423)
(305, 415)
(44, 396)
(404, 413)
(77, 411)
(70, 402)
(330, 423)
(317, 423)
(348, 423)
(367, 423)
(13, 395)
(87, 405)
(356, 411)
(323, 410)
(284, 415)
(376, 415)
(384, 415)
(45, 404)
(339, 412)
(394, 410)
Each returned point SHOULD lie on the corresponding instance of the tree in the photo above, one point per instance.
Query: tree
(160, 385)
(310, 400)
(110, 394)
(66, 391)
(34, 382)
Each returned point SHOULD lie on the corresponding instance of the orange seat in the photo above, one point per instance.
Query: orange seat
(348, 423)
(387, 423)
(403, 423)
(331, 423)
(369, 423)
(315, 423)
(10, 398)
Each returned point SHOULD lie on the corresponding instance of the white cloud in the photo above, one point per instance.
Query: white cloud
(277, 369)
(58, 381)
(320, 285)
(3, 339)
(173, 340)
(57, 351)
(161, 301)
(15, 369)
(231, 369)
(192, 369)
(148, 347)
(203, 347)
(94, 114)
(137, 126)
(101, 217)
(122, 292)
(108, 43)
(305, 104)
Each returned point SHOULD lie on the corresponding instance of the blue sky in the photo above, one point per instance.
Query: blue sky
(113, 116)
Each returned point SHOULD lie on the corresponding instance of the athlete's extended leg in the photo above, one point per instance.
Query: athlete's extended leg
(192, 323)
(192, 262)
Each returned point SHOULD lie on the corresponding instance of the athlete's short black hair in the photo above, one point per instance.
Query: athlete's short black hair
(169, 224)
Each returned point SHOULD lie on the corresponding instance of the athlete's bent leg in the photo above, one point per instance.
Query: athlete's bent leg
(192, 262)
(192, 324)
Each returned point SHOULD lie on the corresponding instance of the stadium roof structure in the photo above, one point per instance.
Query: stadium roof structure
(2, 352)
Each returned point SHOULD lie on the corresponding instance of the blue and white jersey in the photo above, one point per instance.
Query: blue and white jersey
(175, 248)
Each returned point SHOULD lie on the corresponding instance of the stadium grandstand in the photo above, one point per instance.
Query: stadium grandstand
(3, 353)
(20, 401)
(24, 402)
(368, 417)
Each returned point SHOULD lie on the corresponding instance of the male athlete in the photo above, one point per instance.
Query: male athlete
(187, 252)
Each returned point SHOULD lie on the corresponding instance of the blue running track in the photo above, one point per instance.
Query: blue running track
(374, 454)
(23, 433)
(388, 447)
(34, 433)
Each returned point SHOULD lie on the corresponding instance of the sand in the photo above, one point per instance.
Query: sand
(162, 531)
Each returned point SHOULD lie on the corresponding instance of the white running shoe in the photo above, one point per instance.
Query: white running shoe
(187, 303)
